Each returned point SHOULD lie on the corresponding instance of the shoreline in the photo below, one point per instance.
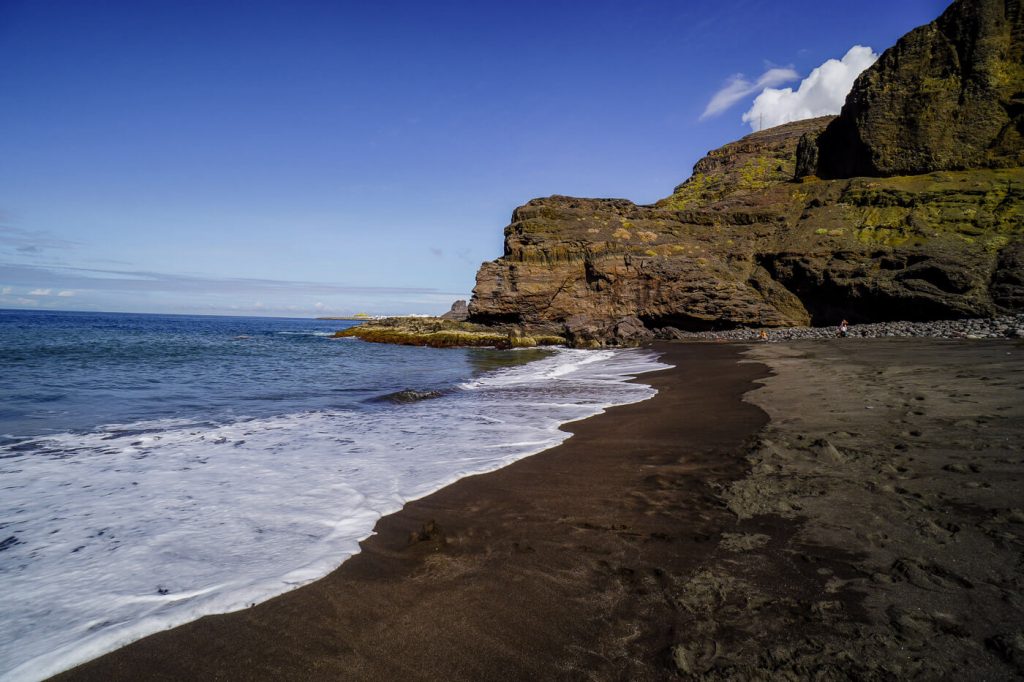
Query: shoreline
(419, 449)
(871, 528)
(526, 525)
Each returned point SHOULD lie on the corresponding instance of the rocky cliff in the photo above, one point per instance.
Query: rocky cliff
(743, 243)
(947, 96)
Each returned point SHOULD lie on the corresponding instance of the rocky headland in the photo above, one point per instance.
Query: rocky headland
(907, 206)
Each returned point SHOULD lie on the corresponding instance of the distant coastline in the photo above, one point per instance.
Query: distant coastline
(353, 318)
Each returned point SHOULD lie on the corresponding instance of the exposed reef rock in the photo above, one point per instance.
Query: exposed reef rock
(437, 332)
(947, 96)
(916, 224)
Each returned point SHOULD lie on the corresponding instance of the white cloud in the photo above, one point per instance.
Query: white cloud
(820, 94)
(66, 293)
(40, 292)
(149, 291)
(6, 290)
(77, 279)
(738, 87)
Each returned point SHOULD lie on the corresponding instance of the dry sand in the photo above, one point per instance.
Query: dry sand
(900, 465)
(873, 529)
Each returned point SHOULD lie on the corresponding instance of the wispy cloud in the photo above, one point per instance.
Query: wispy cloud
(70, 279)
(40, 292)
(823, 92)
(32, 242)
(738, 87)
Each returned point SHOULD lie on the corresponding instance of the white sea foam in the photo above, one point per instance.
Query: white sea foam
(139, 527)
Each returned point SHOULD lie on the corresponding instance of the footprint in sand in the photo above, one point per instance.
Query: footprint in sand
(961, 468)
(743, 542)
(695, 658)
(926, 575)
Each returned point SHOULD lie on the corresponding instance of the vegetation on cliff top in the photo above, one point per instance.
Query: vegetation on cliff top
(746, 166)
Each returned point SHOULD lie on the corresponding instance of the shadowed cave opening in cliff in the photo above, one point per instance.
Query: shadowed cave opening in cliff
(918, 291)
(496, 319)
(869, 307)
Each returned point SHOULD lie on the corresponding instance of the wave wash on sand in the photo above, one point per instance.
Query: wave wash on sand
(135, 528)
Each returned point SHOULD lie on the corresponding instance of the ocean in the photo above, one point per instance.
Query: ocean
(158, 468)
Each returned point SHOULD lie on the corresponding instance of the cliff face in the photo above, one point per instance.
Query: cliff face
(947, 96)
(688, 261)
(740, 243)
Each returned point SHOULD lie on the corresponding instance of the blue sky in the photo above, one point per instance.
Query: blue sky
(304, 158)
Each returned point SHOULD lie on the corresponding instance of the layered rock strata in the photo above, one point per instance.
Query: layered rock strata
(740, 244)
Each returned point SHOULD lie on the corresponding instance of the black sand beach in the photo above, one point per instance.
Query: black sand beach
(873, 528)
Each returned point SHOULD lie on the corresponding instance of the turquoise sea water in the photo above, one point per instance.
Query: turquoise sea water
(154, 469)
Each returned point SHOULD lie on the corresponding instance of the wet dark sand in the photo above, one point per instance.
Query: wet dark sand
(687, 537)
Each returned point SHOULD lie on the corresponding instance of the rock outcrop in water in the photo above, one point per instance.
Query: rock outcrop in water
(912, 225)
